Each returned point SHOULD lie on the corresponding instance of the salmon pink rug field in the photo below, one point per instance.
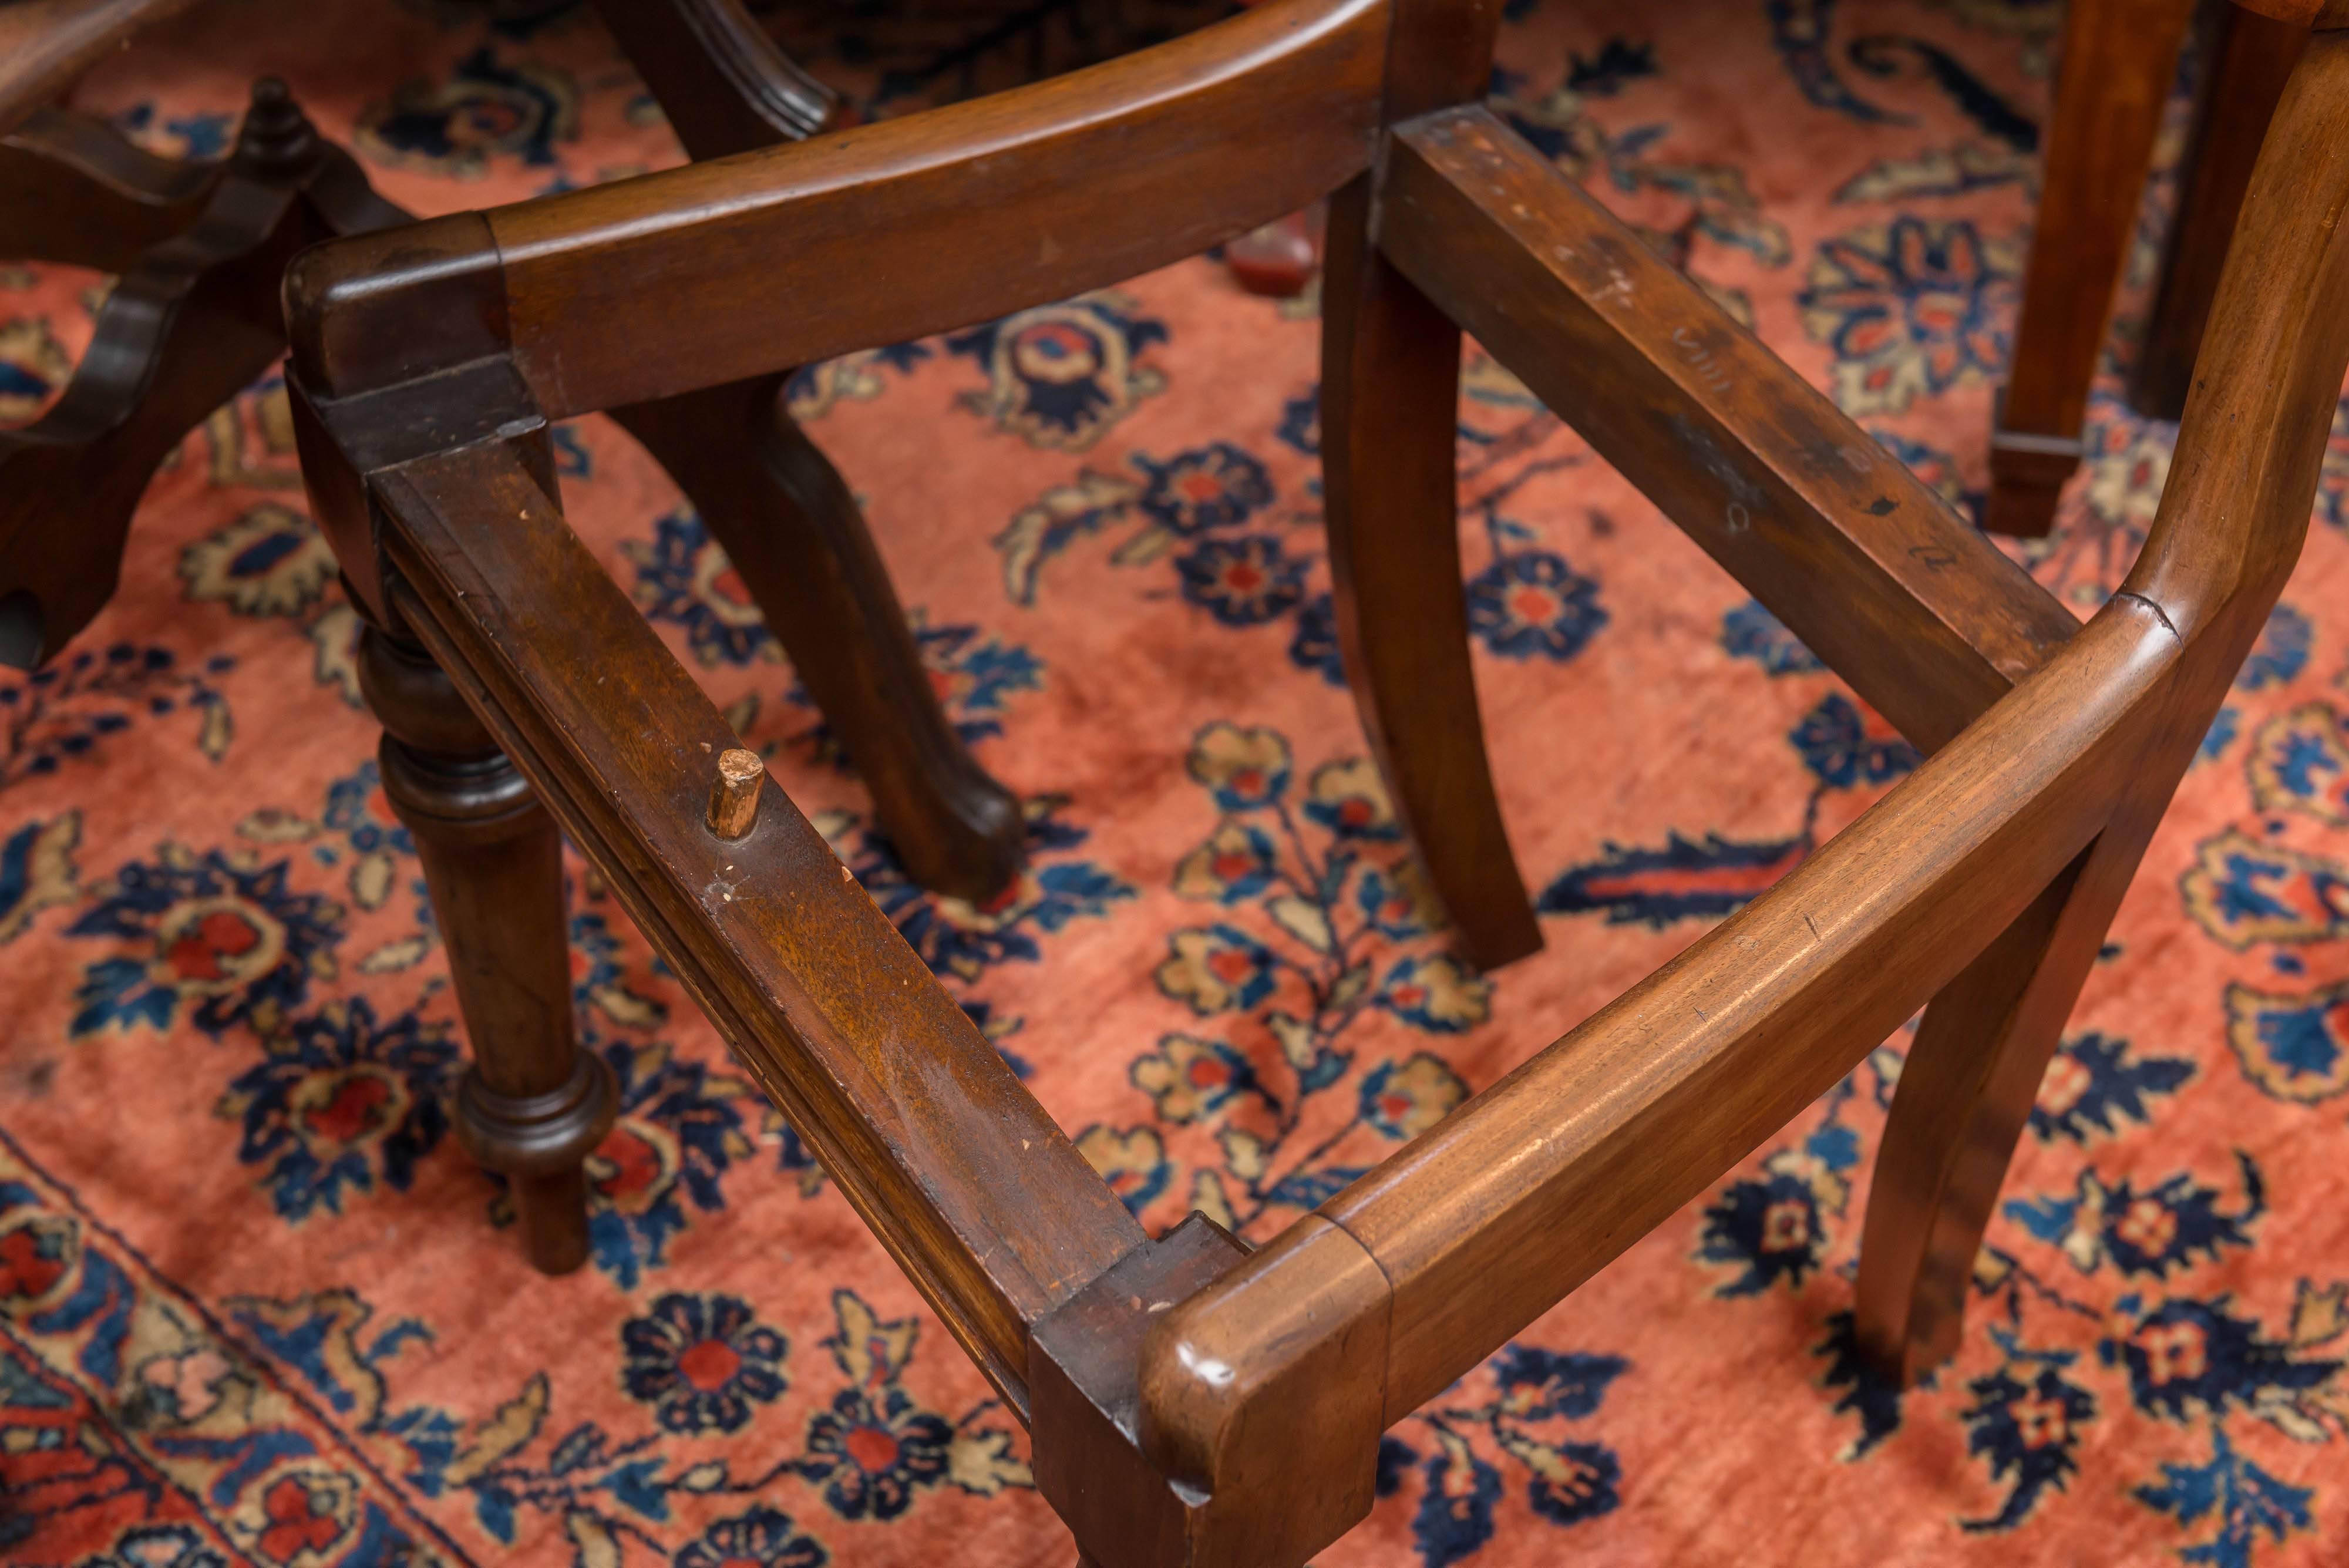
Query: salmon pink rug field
(256, 1307)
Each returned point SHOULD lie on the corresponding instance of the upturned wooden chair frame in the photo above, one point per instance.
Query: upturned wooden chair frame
(1193, 1401)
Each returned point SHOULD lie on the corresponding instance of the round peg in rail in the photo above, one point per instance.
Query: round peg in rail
(734, 794)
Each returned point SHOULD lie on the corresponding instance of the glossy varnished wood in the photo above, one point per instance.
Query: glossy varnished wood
(1090, 1464)
(776, 506)
(831, 245)
(1965, 1093)
(2228, 531)
(783, 514)
(1168, 135)
(2235, 511)
(1266, 1416)
(196, 318)
(1868, 567)
(1484, 1222)
(1389, 403)
(193, 320)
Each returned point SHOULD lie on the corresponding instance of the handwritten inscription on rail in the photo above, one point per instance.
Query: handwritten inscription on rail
(1700, 358)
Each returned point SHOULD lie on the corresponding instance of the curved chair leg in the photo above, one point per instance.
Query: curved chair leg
(2252, 439)
(195, 321)
(73, 189)
(1971, 1075)
(787, 522)
(1985, 1044)
(2250, 57)
(533, 1106)
(2120, 58)
(1389, 404)
(781, 511)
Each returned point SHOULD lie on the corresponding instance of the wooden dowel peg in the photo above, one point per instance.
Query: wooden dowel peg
(734, 794)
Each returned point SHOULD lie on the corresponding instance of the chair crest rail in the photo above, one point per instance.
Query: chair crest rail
(822, 248)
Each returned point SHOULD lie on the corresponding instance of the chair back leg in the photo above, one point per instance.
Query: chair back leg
(1390, 402)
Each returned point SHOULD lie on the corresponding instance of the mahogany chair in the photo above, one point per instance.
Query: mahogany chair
(2119, 58)
(195, 316)
(1193, 1401)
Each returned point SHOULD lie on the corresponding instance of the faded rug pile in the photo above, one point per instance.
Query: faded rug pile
(257, 1307)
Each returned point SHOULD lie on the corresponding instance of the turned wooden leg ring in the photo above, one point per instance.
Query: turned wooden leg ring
(533, 1106)
(539, 1143)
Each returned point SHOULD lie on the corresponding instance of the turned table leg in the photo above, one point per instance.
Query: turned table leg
(533, 1106)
